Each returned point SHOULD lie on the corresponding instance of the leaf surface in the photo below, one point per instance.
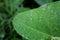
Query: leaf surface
(42, 23)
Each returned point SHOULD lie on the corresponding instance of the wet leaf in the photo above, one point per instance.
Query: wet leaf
(39, 24)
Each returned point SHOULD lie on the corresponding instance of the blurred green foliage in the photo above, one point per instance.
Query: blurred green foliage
(8, 9)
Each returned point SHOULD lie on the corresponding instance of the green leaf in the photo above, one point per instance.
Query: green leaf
(41, 2)
(12, 5)
(42, 23)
